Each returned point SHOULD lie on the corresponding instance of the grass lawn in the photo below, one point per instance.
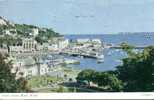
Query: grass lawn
(42, 81)
(49, 84)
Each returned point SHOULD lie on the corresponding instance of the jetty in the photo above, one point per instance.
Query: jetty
(119, 47)
(86, 54)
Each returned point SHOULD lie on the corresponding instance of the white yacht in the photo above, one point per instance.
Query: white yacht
(100, 59)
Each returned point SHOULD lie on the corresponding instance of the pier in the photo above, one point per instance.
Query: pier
(85, 54)
(80, 54)
(119, 47)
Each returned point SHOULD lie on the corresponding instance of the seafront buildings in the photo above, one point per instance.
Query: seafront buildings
(33, 65)
(28, 45)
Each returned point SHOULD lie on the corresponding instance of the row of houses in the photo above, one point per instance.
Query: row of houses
(28, 67)
(30, 45)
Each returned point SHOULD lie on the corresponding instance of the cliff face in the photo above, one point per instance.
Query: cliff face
(4, 22)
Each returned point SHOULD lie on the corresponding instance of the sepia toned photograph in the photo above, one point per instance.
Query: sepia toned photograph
(76, 46)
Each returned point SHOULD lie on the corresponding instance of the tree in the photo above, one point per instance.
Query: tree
(103, 79)
(40, 40)
(127, 48)
(8, 81)
(114, 83)
(86, 75)
(137, 71)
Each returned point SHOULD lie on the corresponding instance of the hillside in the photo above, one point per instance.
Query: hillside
(17, 31)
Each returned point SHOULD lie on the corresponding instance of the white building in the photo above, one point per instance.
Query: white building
(35, 32)
(53, 47)
(11, 32)
(28, 67)
(96, 41)
(7, 32)
(63, 43)
(58, 43)
(83, 40)
(44, 69)
(16, 49)
(29, 45)
(29, 71)
(40, 47)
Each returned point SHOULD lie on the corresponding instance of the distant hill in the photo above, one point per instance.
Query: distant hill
(136, 33)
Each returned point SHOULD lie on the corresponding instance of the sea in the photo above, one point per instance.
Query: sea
(112, 57)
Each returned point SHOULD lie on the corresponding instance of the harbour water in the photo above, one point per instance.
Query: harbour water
(112, 57)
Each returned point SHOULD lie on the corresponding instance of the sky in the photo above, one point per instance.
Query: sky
(82, 16)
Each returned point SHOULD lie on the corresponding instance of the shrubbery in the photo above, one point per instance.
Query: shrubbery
(136, 74)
